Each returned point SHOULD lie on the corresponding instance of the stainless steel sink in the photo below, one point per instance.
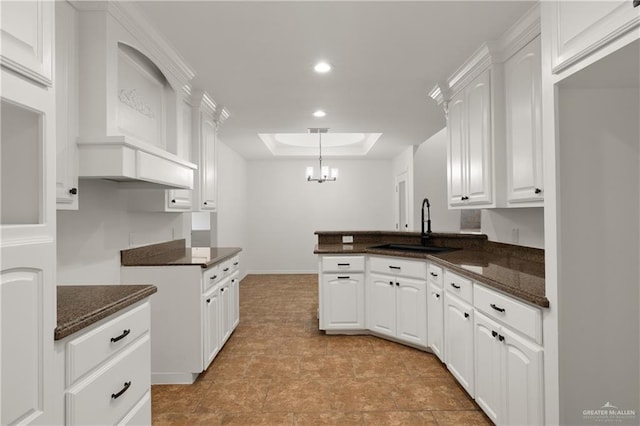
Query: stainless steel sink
(414, 248)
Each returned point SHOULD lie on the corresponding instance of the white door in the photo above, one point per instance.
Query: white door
(343, 301)
(488, 366)
(523, 390)
(456, 126)
(458, 334)
(411, 311)
(381, 304)
(435, 321)
(524, 127)
(212, 327)
(478, 161)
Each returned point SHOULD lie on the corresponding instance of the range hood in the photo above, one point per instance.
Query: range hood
(132, 91)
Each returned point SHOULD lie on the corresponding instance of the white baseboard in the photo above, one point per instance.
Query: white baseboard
(173, 378)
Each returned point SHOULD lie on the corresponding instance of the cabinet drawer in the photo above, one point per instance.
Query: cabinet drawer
(229, 265)
(461, 287)
(342, 263)
(514, 314)
(140, 414)
(393, 265)
(94, 347)
(235, 263)
(435, 274)
(211, 277)
(113, 391)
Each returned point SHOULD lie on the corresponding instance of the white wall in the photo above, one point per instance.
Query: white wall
(521, 226)
(430, 181)
(233, 209)
(284, 210)
(89, 240)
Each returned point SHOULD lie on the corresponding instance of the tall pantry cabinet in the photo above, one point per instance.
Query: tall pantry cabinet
(27, 212)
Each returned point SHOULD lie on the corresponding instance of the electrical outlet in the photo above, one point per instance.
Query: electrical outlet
(515, 235)
(347, 239)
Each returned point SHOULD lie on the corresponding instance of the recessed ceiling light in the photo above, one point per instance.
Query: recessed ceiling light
(322, 67)
(319, 113)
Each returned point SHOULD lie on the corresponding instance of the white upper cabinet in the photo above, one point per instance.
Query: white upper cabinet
(492, 103)
(66, 55)
(131, 89)
(524, 127)
(26, 36)
(207, 116)
(582, 28)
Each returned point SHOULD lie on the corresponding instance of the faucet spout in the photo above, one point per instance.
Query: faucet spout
(426, 235)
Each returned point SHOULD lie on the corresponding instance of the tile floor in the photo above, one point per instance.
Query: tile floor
(279, 369)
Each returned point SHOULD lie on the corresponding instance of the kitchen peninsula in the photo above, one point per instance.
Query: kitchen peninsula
(476, 304)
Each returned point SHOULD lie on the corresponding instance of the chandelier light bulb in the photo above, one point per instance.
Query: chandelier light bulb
(319, 113)
(322, 67)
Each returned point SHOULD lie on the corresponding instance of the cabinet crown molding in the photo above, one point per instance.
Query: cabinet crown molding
(130, 17)
(204, 101)
(221, 115)
(482, 59)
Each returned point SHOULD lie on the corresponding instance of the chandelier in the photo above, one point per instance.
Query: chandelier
(324, 170)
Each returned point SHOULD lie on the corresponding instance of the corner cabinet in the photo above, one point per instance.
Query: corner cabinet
(523, 94)
(470, 144)
(582, 28)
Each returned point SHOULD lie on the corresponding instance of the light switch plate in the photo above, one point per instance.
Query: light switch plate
(347, 239)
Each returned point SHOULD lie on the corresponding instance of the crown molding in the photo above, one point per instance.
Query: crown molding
(204, 101)
(439, 93)
(154, 43)
(520, 34)
(222, 114)
(481, 60)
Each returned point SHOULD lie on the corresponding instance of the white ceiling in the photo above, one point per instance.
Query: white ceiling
(256, 59)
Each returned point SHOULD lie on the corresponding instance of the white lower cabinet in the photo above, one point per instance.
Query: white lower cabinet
(341, 293)
(105, 373)
(193, 314)
(435, 320)
(345, 294)
(508, 384)
(211, 325)
(397, 307)
(458, 340)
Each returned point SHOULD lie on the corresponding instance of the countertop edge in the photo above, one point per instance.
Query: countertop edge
(64, 330)
(147, 262)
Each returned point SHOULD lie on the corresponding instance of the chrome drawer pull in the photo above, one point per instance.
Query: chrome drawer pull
(127, 385)
(497, 308)
(122, 336)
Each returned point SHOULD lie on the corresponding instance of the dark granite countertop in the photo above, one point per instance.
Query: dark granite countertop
(514, 270)
(174, 253)
(82, 305)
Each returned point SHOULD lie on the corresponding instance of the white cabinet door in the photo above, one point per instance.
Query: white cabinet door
(523, 390)
(456, 126)
(488, 367)
(411, 311)
(524, 127)
(225, 311)
(343, 302)
(211, 326)
(478, 161)
(458, 334)
(208, 172)
(435, 322)
(66, 106)
(26, 38)
(381, 304)
(581, 28)
(234, 292)
(179, 199)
